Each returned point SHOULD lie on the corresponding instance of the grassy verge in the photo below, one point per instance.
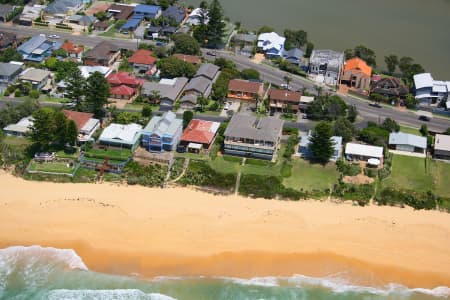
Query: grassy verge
(56, 167)
(307, 176)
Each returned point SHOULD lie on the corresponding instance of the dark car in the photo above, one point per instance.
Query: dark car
(211, 53)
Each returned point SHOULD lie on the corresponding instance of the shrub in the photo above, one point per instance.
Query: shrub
(201, 174)
(151, 175)
(286, 170)
(360, 193)
(18, 93)
(390, 196)
(371, 172)
(348, 169)
(268, 187)
(34, 94)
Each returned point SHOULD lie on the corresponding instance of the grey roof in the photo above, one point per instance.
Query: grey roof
(400, 138)
(5, 9)
(175, 12)
(199, 84)
(33, 74)
(82, 20)
(264, 129)
(166, 91)
(32, 44)
(167, 124)
(102, 50)
(248, 38)
(62, 6)
(7, 69)
(330, 57)
(208, 71)
(189, 98)
(294, 52)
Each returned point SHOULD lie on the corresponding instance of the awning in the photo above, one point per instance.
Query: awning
(195, 146)
(373, 162)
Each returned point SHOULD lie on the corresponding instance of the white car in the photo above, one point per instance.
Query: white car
(53, 36)
(226, 107)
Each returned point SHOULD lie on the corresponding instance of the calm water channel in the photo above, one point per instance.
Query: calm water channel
(416, 28)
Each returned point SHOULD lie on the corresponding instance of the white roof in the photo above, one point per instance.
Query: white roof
(401, 138)
(168, 81)
(439, 86)
(442, 142)
(87, 71)
(90, 125)
(306, 99)
(423, 80)
(364, 150)
(269, 40)
(195, 146)
(22, 126)
(123, 133)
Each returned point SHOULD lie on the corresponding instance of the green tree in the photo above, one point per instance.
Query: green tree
(309, 49)
(424, 130)
(34, 94)
(295, 38)
(126, 117)
(76, 87)
(10, 54)
(97, 93)
(172, 67)
(447, 132)
(60, 128)
(321, 144)
(71, 133)
(374, 135)
(146, 111)
(265, 29)
(216, 24)
(405, 64)
(250, 74)
(390, 125)
(391, 63)
(101, 15)
(344, 128)
(49, 128)
(366, 54)
(187, 117)
(352, 113)
(202, 101)
(50, 63)
(186, 44)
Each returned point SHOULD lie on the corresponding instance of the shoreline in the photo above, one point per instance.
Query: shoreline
(183, 232)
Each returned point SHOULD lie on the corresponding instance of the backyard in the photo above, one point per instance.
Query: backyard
(310, 177)
(54, 167)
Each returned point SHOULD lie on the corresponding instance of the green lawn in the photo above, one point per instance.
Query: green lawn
(54, 100)
(441, 174)
(220, 164)
(310, 177)
(410, 173)
(410, 130)
(111, 153)
(192, 156)
(110, 33)
(57, 167)
(15, 141)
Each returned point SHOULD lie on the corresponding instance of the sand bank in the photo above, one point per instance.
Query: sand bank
(179, 231)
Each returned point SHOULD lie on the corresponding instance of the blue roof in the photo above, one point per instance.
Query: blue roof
(147, 9)
(32, 44)
(132, 23)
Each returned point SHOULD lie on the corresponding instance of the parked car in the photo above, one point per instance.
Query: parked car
(227, 106)
(54, 36)
(375, 104)
(160, 44)
(211, 53)
(284, 86)
(304, 116)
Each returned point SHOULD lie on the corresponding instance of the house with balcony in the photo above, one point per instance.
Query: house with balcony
(176, 13)
(9, 72)
(201, 84)
(39, 79)
(284, 100)
(199, 135)
(86, 124)
(121, 11)
(197, 17)
(38, 48)
(162, 133)
(245, 90)
(356, 74)
(271, 44)
(104, 54)
(73, 51)
(430, 91)
(62, 8)
(143, 62)
(250, 136)
(121, 136)
(21, 128)
(325, 66)
(389, 87)
(305, 152)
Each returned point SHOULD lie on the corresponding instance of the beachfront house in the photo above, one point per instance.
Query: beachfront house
(271, 44)
(284, 100)
(103, 54)
(305, 152)
(407, 143)
(175, 13)
(389, 87)
(9, 72)
(143, 62)
(198, 16)
(199, 135)
(244, 43)
(249, 136)
(86, 124)
(166, 90)
(442, 146)
(325, 66)
(38, 48)
(245, 90)
(162, 133)
(121, 136)
(361, 152)
(430, 91)
(294, 56)
(20, 128)
(356, 74)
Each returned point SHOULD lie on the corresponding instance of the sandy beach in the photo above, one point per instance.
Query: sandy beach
(180, 231)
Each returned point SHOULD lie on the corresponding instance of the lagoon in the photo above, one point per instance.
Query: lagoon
(416, 28)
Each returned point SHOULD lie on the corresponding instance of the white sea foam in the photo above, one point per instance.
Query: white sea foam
(130, 294)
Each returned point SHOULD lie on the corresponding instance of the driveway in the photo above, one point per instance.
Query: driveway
(234, 107)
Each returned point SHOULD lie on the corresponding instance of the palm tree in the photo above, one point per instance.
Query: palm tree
(288, 80)
(154, 96)
(318, 90)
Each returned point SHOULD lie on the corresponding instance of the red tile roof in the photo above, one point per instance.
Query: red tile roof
(357, 64)
(193, 59)
(80, 118)
(122, 90)
(200, 131)
(284, 95)
(142, 56)
(244, 86)
(72, 48)
(124, 78)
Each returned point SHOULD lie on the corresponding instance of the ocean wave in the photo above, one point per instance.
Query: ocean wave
(121, 294)
(338, 284)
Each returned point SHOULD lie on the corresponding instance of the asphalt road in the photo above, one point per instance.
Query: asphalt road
(268, 73)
